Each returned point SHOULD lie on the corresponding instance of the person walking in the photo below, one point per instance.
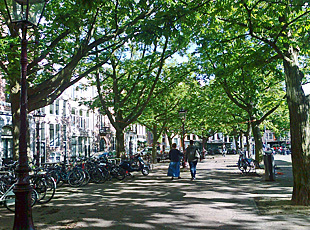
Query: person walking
(174, 166)
(192, 157)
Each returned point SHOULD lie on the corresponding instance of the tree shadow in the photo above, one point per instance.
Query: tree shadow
(221, 198)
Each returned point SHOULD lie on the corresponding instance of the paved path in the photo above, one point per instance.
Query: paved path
(220, 198)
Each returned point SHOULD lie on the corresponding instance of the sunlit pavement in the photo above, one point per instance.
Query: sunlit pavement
(220, 198)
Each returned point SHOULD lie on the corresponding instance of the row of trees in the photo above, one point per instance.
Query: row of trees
(247, 54)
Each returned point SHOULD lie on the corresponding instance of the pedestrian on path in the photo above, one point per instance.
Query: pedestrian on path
(192, 157)
(174, 166)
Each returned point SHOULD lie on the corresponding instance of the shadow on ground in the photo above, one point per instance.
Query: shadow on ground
(221, 198)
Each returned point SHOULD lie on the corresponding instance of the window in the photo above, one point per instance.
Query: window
(51, 108)
(73, 117)
(81, 119)
(52, 135)
(87, 119)
(64, 132)
(42, 131)
(80, 150)
(57, 107)
(64, 112)
(73, 146)
(57, 140)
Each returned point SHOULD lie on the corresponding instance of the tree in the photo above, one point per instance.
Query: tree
(279, 122)
(73, 34)
(279, 31)
(135, 74)
(161, 114)
(128, 85)
(212, 112)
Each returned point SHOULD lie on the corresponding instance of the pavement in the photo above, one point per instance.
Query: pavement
(220, 198)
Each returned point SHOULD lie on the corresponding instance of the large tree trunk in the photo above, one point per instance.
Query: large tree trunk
(258, 141)
(298, 105)
(120, 145)
(155, 138)
(169, 139)
(241, 140)
(236, 137)
(204, 142)
(247, 138)
(247, 145)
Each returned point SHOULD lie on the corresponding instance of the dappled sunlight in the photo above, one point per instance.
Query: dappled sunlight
(221, 197)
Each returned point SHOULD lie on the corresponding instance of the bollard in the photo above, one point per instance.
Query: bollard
(269, 167)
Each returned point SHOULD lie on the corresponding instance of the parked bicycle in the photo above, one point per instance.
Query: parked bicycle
(71, 174)
(245, 165)
(44, 185)
(96, 173)
(111, 169)
(7, 183)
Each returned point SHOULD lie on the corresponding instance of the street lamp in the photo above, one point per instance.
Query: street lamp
(182, 115)
(24, 14)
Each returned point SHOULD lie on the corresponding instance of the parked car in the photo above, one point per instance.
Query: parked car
(212, 151)
(231, 151)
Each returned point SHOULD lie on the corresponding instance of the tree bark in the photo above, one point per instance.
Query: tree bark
(258, 141)
(154, 146)
(236, 142)
(241, 141)
(298, 105)
(204, 142)
(120, 145)
(169, 139)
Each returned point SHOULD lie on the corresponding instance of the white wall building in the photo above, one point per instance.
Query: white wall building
(70, 129)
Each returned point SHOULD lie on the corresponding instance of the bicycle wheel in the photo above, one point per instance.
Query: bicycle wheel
(50, 189)
(40, 186)
(243, 166)
(239, 166)
(86, 177)
(105, 174)
(9, 200)
(145, 171)
(96, 176)
(76, 177)
(246, 167)
(57, 177)
(118, 173)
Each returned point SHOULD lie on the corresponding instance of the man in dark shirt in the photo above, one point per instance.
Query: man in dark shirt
(174, 166)
(192, 158)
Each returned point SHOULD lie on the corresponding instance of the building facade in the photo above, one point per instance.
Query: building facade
(67, 128)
